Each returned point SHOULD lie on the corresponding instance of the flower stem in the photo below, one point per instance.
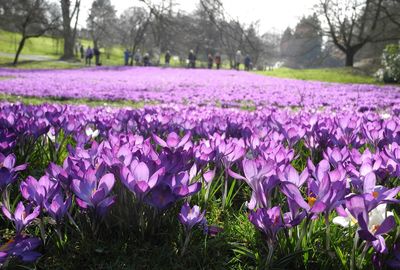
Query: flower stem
(270, 255)
(353, 253)
(186, 244)
(303, 233)
(328, 232)
(42, 231)
(225, 190)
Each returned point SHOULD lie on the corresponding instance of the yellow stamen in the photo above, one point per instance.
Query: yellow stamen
(375, 228)
(311, 201)
(375, 194)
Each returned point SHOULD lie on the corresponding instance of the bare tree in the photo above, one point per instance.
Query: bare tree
(233, 35)
(162, 13)
(352, 24)
(132, 26)
(31, 18)
(101, 22)
(69, 14)
(391, 8)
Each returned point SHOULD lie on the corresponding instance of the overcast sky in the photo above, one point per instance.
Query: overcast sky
(273, 15)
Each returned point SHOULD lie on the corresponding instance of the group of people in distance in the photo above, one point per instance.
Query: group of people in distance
(218, 60)
(88, 54)
(139, 60)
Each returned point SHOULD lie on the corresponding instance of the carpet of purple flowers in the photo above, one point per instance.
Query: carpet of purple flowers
(183, 186)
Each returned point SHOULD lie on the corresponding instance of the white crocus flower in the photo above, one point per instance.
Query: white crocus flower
(51, 136)
(385, 116)
(376, 217)
(345, 222)
(92, 133)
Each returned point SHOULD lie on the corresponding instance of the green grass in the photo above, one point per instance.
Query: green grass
(89, 102)
(36, 46)
(338, 75)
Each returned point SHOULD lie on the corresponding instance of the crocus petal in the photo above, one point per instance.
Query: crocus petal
(387, 225)
(172, 139)
(141, 172)
(342, 221)
(107, 183)
(159, 141)
(369, 182)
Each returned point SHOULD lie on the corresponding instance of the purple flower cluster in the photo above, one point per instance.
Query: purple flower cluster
(301, 166)
(179, 86)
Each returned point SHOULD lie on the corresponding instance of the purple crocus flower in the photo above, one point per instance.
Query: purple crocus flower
(137, 178)
(22, 248)
(190, 217)
(269, 221)
(261, 179)
(171, 188)
(57, 207)
(22, 215)
(92, 191)
(8, 170)
(38, 191)
(373, 224)
(173, 141)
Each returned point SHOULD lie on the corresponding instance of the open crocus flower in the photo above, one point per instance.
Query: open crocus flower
(372, 225)
(173, 140)
(22, 215)
(190, 217)
(93, 192)
(137, 178)
(261, 179)
(92, 133)
(21, 248)
(38, 191)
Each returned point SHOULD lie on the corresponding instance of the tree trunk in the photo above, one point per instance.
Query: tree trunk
(67, 31)
(350, 58)
(20, 47)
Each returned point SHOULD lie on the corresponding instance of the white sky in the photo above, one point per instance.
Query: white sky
(273, 15)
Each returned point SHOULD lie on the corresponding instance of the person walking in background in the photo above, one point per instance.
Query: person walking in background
(89, 56)
(146, 60)
(210, 61)
(96, 53)
(167, 58)
(247, 62)
(218, 60)
(82, 50)
(137, 57)
(192, 59)
(238, 59)
(127, 55)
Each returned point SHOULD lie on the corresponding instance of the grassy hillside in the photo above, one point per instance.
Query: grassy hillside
(47, 46)
(35, 46)
(340, 75)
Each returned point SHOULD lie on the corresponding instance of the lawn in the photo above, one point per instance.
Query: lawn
(339, 75)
